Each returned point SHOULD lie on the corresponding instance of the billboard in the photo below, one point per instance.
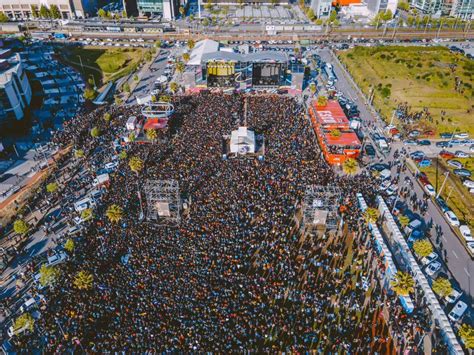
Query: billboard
(220, 74)
(267, 74)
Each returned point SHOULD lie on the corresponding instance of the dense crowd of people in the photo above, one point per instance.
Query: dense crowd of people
(237, 273)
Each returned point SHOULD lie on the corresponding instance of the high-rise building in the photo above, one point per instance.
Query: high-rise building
(321, 8)
(22, 9)
(429, 6)
(130, 7)
(463, 9)
(376, 6)
(168, 9)
(15, 89)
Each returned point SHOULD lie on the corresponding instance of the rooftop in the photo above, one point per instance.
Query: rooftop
(331, 113)
(346, 138)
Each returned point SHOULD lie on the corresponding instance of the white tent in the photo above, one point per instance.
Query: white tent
(201, 48)
(242, 141)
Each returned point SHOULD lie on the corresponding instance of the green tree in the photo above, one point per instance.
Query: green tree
(132, 137)
(52, 187)
(34, 11)
(312, 88)
(333, 16)
(118, 100)
(422, 248)
(335, 133)
(54, 11)
(102, 13)
(371, 215)
(186, 57)
(173, 86)
(83, 280)
(403, 283)
(136, 164)
(385, 92)
(165, 98)
(182, 11)
(135, 77)
(404, 220)
(205, 21)
(319, 22)
(157, 44)
(107, 117)
(442, 287)
(123, 155)
(148, 56)
(151, 134)
(86, 214)
(410, 21)
(90, 94)
(48, 275)
(25, 320)
(69, 246)
(208, 5)
(310, 14)
(20, 227)
(387, 15)
(350, 166)
(3, 17)
(322, 100)
(126, 87)
(180, 67)
(114, 213)
(466, 333)
(403, 6)
(44, 12)
(95, 132)
(274, 2)
(79, 153)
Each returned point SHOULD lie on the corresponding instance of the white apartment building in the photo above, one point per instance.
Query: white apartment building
(21, 9)
(15, 89)
(321, 8)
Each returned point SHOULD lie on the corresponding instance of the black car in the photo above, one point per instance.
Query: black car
(446, 135)
(424, 142)
(378, 167)
(442, 204)
(442, 144)
(369, 150)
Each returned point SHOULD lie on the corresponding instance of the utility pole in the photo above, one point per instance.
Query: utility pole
(199, 8)
(442, 186)
(82, 66)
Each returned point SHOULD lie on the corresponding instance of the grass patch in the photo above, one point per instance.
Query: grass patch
(460, 200)
(421, 77)
(104, 64)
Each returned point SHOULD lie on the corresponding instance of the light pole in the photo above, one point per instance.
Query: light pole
(444, 182)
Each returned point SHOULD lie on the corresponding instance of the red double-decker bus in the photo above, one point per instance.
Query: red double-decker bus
(337, 140)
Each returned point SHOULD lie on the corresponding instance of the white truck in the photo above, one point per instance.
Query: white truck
(101, 180)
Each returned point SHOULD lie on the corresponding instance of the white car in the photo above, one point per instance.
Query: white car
(31, 302)
(430, 190)
(56, 258)
(461, 154)
(466, 233)
(461, 135)
(430, 258)
(392, 189)
(454, 163)
(458, 311)
(454, 296)
(468, 183)
(470, 246)
(385, 185)
(433, 268)
(452, 219)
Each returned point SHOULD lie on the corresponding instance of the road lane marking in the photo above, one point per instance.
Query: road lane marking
(455, 254)
(467, 273)
(444, 238)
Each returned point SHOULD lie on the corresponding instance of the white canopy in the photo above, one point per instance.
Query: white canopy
(242, 141)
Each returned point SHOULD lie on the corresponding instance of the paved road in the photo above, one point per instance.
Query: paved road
(148, 77)
(452, 249)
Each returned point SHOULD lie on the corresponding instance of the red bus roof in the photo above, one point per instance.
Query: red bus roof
(330, 114)
(346, 138)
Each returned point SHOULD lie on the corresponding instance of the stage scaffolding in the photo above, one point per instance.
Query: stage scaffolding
(163, 202)
(321, 208)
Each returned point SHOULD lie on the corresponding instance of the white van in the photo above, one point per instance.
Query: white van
(83, 204)
(101, 179)
(56, 258)
(31, 302)
(458, 311)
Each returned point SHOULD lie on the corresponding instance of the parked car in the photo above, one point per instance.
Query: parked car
(468, 183)
(461, 154)
(470, 246)
(31, 302)
(458, 311)
(424, 163)
(446, 135)
(385, 185)
(442, 144)
(462, 172)
(392, 189)
(410, 142)
(369, 150)
(56, 258)
(433, 268)
(424, 142)
(442, 204)
(446, 155)
(452, 218)
(378, 167)
(430, 190)
(466, 233)
(462, 135)
(454, 296)
(430, 258)
(414, 134)
(454, 163)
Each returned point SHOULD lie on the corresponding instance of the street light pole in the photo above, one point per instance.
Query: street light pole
(442, 186)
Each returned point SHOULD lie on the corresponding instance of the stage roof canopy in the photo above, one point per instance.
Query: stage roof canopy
(201, 48)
